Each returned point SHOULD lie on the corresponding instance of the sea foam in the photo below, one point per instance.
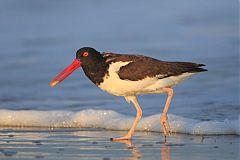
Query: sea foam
(108, 119)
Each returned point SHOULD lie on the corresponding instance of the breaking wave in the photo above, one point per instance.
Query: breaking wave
(111, 120)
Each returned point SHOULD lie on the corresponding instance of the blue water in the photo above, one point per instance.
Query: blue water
(38, 39)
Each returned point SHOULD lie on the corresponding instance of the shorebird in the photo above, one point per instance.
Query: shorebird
(129, 75)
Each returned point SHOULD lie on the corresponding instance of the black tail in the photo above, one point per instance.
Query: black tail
(189, 67)
(198, 68)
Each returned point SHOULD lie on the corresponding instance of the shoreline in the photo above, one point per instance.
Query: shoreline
(89, 143)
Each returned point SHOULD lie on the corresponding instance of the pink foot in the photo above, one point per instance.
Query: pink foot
(122, 138)
(165, 124)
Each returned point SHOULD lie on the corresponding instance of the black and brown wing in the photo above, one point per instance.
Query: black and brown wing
(141, 67)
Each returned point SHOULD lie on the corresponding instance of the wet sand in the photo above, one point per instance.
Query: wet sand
(28, 143)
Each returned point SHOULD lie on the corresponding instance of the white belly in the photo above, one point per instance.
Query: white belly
(118, 87)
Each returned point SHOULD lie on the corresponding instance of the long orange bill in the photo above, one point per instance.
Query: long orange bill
(64, 74)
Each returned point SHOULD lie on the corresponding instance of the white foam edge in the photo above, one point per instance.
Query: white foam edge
(111, 120)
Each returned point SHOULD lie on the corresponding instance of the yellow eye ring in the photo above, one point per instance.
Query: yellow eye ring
(85, 54)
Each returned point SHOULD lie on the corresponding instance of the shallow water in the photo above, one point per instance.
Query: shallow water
(39, 39)
(95, 144)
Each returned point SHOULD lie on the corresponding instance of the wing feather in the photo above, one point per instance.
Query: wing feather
(141, 67)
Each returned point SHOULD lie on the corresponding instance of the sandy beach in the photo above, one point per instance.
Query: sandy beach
(70, 144)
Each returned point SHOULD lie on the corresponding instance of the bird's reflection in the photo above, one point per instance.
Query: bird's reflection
(165, 152)
(136, 152)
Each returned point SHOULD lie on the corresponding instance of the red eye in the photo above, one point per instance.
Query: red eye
(85, 54)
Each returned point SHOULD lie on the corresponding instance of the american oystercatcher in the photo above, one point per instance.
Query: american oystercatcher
(130, 75)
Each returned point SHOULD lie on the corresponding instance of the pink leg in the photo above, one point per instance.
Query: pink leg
(163, 117)
(129, 135)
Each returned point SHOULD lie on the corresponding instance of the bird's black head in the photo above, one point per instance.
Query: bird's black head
(88, 56)
(92, 63)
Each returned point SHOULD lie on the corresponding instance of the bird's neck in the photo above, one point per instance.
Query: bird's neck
(96, 71)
